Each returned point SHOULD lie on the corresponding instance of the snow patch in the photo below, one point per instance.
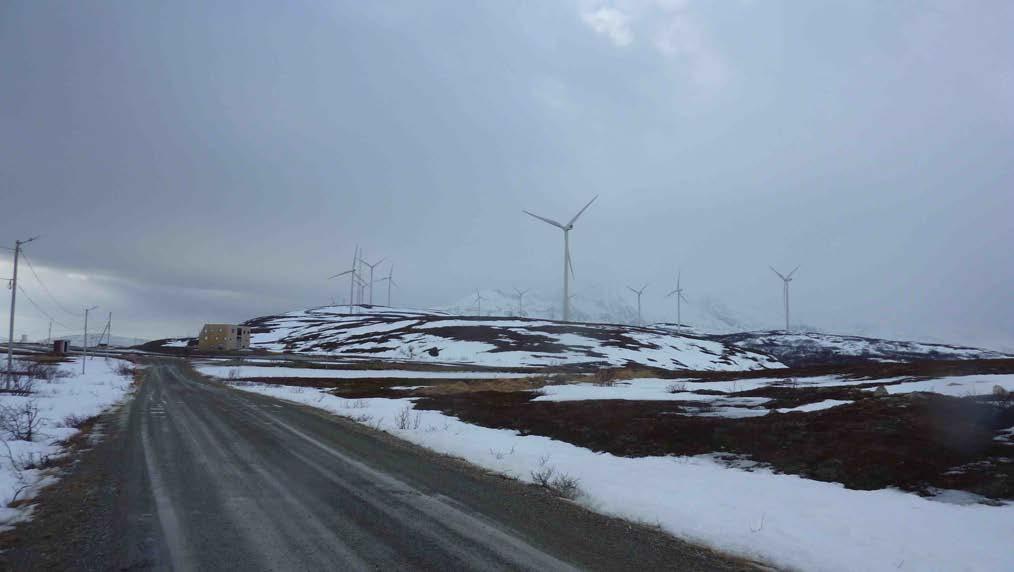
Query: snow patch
(782, 519)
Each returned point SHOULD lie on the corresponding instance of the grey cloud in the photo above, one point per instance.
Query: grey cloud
(248, 147)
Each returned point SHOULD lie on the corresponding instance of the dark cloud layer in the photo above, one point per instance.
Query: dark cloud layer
(220, 160)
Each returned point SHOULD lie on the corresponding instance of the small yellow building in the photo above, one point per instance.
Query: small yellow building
(224, 337)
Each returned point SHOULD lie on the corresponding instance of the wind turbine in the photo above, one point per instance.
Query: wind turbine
(390, 281)
(478, 302)
(568, 266)
(785, 291)
(352, 279)
(372, 266)
(678, 292)
(638, 292)
(521, 297)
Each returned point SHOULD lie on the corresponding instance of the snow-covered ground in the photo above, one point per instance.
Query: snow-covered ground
(654, 389)
(800, 349)
(781, 519)
(819, 406)
(956, 386)
(246, 372)
(75, 395)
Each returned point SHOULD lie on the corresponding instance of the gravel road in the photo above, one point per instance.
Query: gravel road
(193, 475)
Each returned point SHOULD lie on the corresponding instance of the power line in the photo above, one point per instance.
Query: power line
(46, 288)
(43, 312)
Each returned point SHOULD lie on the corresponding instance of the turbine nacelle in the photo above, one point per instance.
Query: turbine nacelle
(783, 276)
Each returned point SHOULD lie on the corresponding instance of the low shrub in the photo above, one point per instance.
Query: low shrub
(19, 422)
(124, 369)
(408, 419)
(74, 421)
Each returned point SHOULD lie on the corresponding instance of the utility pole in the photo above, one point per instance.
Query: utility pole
(85, 358)
(14, 297)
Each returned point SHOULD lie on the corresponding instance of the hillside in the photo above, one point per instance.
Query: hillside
(805, 349)
(493, 341)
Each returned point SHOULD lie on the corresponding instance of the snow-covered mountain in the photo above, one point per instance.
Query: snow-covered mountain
(459, 336)
(584, 308)
(493, 341)
(805, 349)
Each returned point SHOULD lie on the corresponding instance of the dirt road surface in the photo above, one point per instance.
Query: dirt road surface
(193, 475)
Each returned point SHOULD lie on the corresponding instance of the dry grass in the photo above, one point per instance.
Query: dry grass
(498, 385)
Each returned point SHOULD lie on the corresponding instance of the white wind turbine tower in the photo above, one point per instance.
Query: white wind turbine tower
(568, 266)
(638, 292)
(521, 297)
(362, 288)
(478, 302)
(372, 266)
(785, 291)
(678, 292)
(360, 273)
(390, 282)
(352, 278)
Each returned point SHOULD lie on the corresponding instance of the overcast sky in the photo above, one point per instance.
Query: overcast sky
(201, 161)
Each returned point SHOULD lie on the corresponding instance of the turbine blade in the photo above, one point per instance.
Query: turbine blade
(684, 298)
(580, 212)
(669, 295)
(793, 271)
(340, 274)
(777, 272)
(544, 219)
(570, 264)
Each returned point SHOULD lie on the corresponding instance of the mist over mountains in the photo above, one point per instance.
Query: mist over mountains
(602, 304)
(706, 314)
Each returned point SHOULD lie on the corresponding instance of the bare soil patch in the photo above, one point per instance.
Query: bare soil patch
(915, 442)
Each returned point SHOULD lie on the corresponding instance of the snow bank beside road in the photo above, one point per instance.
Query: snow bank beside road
(252, 371)
(783, 519)
(73, 394)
